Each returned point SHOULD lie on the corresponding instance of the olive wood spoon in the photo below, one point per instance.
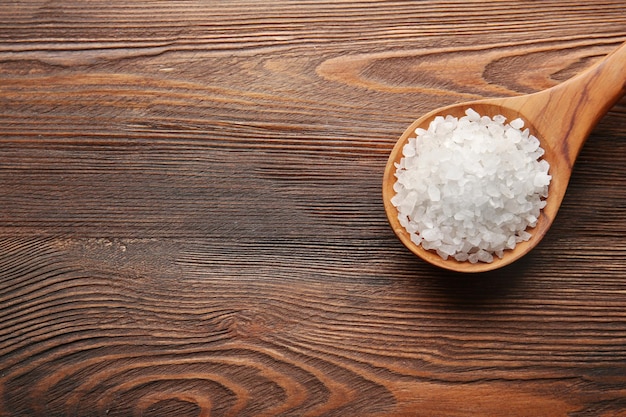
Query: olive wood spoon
(561, 117)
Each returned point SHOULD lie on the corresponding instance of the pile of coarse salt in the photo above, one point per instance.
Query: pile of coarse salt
(469, 187)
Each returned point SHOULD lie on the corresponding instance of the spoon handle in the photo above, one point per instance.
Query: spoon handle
(578, 104)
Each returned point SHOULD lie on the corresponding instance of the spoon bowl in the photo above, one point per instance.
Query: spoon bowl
(561, 117)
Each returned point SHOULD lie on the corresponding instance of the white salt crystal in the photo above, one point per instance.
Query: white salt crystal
(499, 119)
(473, 258)
(484, 256)
(510, 243)
(408, 150)
(454, 172)
(433, 193)
(541, 179)
(461, 257)
(432, 235)
(448, 250)
(416, 239)
(472, 115)
(517, 124)
(468, 188)
(442, 254)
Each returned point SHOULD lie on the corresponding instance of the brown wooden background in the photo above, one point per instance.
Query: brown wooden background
(191, 220)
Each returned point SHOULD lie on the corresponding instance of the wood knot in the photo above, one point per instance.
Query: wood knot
(250, 324)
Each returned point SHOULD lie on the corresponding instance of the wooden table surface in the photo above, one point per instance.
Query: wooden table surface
(191, 221)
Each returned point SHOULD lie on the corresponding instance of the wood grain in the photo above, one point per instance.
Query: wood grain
(191, 220)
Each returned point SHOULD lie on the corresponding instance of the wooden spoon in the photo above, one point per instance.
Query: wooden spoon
(561, 117)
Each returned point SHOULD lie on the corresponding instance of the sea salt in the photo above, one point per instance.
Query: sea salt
(470, 187)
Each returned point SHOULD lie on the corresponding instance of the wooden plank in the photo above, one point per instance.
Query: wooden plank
(191, 220)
